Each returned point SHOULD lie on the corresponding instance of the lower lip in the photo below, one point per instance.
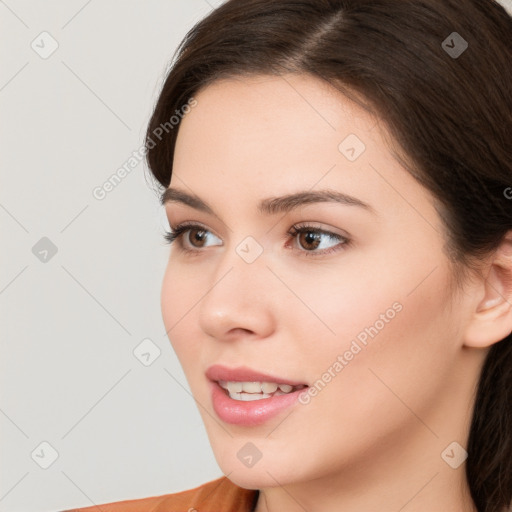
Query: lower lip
(255, 412)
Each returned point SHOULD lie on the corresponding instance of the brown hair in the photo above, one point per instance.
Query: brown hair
(451, 115)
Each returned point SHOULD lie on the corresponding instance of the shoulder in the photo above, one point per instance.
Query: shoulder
(219, 495)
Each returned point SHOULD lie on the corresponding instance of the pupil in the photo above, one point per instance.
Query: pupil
(312, 238)
(199, 235)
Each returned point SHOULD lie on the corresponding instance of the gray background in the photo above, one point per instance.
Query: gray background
(123, 426)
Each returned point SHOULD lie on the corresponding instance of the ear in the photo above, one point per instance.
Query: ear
(491, 320)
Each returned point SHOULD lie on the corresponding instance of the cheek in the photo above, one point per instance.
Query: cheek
(392, 307)
(334, 306)
(390, 339)
(362, 300)
(178, 298)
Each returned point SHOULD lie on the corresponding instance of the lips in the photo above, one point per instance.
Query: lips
(253, 405)
(218, 373)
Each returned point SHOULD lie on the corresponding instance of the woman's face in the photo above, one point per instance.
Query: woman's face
(360, 311)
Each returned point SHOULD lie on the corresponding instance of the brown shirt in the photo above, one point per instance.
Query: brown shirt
(219, 495)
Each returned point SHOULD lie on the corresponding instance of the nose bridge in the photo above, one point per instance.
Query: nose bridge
(236, 297)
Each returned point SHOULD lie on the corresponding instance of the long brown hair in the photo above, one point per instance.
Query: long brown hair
(447, 101)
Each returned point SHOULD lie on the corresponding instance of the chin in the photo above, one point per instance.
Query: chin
(252, 478)
(271, 471)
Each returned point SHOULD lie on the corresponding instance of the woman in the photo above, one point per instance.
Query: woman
(339, 288)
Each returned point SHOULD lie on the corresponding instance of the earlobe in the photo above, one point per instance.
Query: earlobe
(492, 319)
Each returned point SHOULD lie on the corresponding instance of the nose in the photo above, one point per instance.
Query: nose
(238, 300)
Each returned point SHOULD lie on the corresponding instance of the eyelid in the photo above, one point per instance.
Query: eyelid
(298, 225)
(343, 240)
(337, 232)
(294, 231)
(181, 229)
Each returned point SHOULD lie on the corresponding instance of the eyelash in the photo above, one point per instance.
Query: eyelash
(181, 229)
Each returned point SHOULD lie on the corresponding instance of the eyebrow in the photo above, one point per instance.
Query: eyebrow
(271, 205)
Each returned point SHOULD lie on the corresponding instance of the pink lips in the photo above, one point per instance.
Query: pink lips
(250, 413)
(244, 374)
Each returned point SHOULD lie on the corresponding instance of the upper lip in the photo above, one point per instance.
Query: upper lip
(218, 372)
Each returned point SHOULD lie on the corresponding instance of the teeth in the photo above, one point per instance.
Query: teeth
(249, 387)
(268, 387)
(248, 397)
(234, 387)
(248, 391)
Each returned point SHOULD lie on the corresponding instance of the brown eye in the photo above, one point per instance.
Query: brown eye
(192, 237)
(197, 236)
(309, 239)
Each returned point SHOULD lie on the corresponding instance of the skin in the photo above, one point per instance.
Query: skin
(372, 438)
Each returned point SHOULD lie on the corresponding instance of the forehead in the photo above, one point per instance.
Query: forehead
(274, 101)
(269, 124)
(250, 138)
